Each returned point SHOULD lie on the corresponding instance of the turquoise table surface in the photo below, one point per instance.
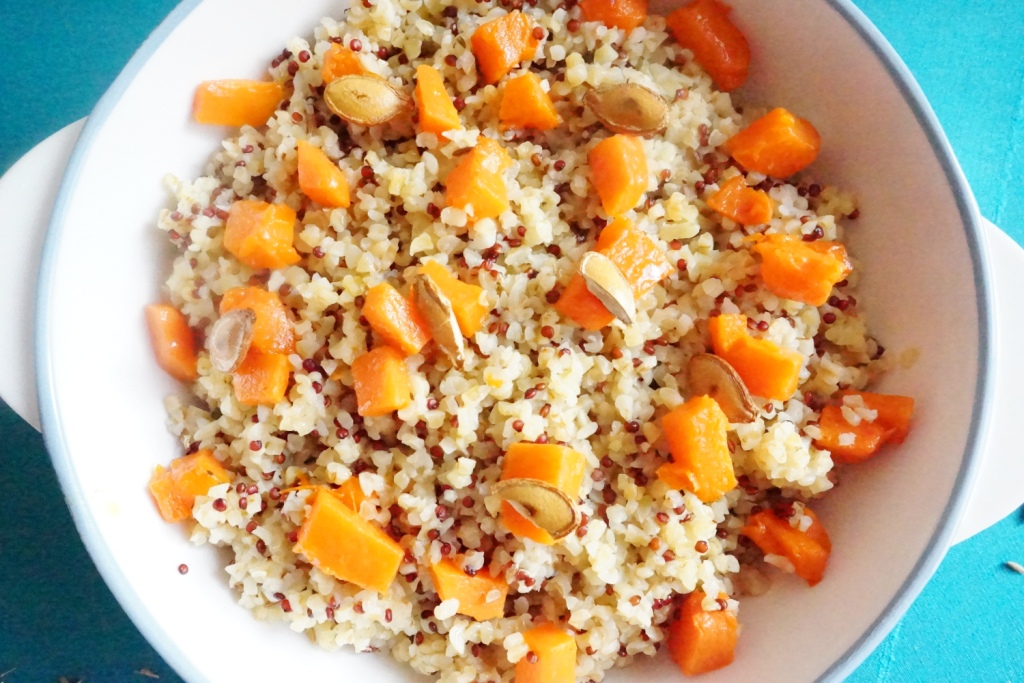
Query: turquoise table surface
(57, 618)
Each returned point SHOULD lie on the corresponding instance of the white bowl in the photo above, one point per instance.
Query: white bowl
(925, 285)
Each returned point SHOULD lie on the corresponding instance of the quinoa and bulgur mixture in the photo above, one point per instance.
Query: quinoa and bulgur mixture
(423, 476)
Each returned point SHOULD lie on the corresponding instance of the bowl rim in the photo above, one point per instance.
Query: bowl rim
(919, 576)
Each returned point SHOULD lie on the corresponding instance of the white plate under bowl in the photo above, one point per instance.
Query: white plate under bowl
(925, 285)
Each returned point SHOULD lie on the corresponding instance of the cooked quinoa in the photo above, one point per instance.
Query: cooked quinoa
(529, 375)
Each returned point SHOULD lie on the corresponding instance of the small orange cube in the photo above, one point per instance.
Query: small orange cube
(175, 489)
(236, 102)
(262, 378)
(554, 656)
(260, 234)
(337, 541)
(481, 596)
(381, 381)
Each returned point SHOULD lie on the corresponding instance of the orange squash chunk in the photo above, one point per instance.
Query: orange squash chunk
(260, 234)
(807, 550)
(478, 180)
(465, 298)
(481, 596)
(855, 443)
(894, 412)
(381, 381)
(340, 61)
(696, 433)
(172, 342)
(350, 493)
(174, 490)
(337, 541)
(701, 641)
(395, 319)
(624, 14)
(641, 261)
(555, 660)
(560, 466)
(437, 114)
(500, 44)
(849, 443)
(618, 170)
(236, 102)
(704, 28)
(262, 378)
(320, 179)
(272, 332)
(777, 144)
(769, 370)
(743, 204)
(525, 104)
(801, 271)
(582, 307)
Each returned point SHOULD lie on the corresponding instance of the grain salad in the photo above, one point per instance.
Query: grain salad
(514, 347)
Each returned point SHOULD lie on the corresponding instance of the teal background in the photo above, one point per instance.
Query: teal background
(57, 618)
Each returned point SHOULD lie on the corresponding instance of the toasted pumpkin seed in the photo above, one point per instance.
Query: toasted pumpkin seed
(606, 282)
(440, 315)
(229, 339)
(628, 108)
(543, 504)
(365, 100)
(711, 376)
(1015, 567)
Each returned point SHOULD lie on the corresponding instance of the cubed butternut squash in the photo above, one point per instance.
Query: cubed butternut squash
(260, 235)
(337, 541)
(320, 179)
(436, 112)
(742, 204)
(174, 489)
(272, 331)
(697, 434)
(172, 342)
(502, 43)
(466, 299)
(553, 657)
(624, 14)
(768, 370)
(340, 61)
(395, 319)
(525, 104)
(262, 378)
(802, 271)
(700, 641)
(481, 596)
(807, 550)
(638, 258)
(236, 102)
(618, 171)
(777, 144)
(560, 466)
(705, 29)
(381, 380)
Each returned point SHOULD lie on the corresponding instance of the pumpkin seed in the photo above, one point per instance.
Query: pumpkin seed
(229, 339)
(606, 282)
(365, 100)
(543, 504)
(1015, 567)
(711, 376)
(628, 108)
(440, 315)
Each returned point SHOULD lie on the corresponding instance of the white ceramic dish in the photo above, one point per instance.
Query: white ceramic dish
(926, 285)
